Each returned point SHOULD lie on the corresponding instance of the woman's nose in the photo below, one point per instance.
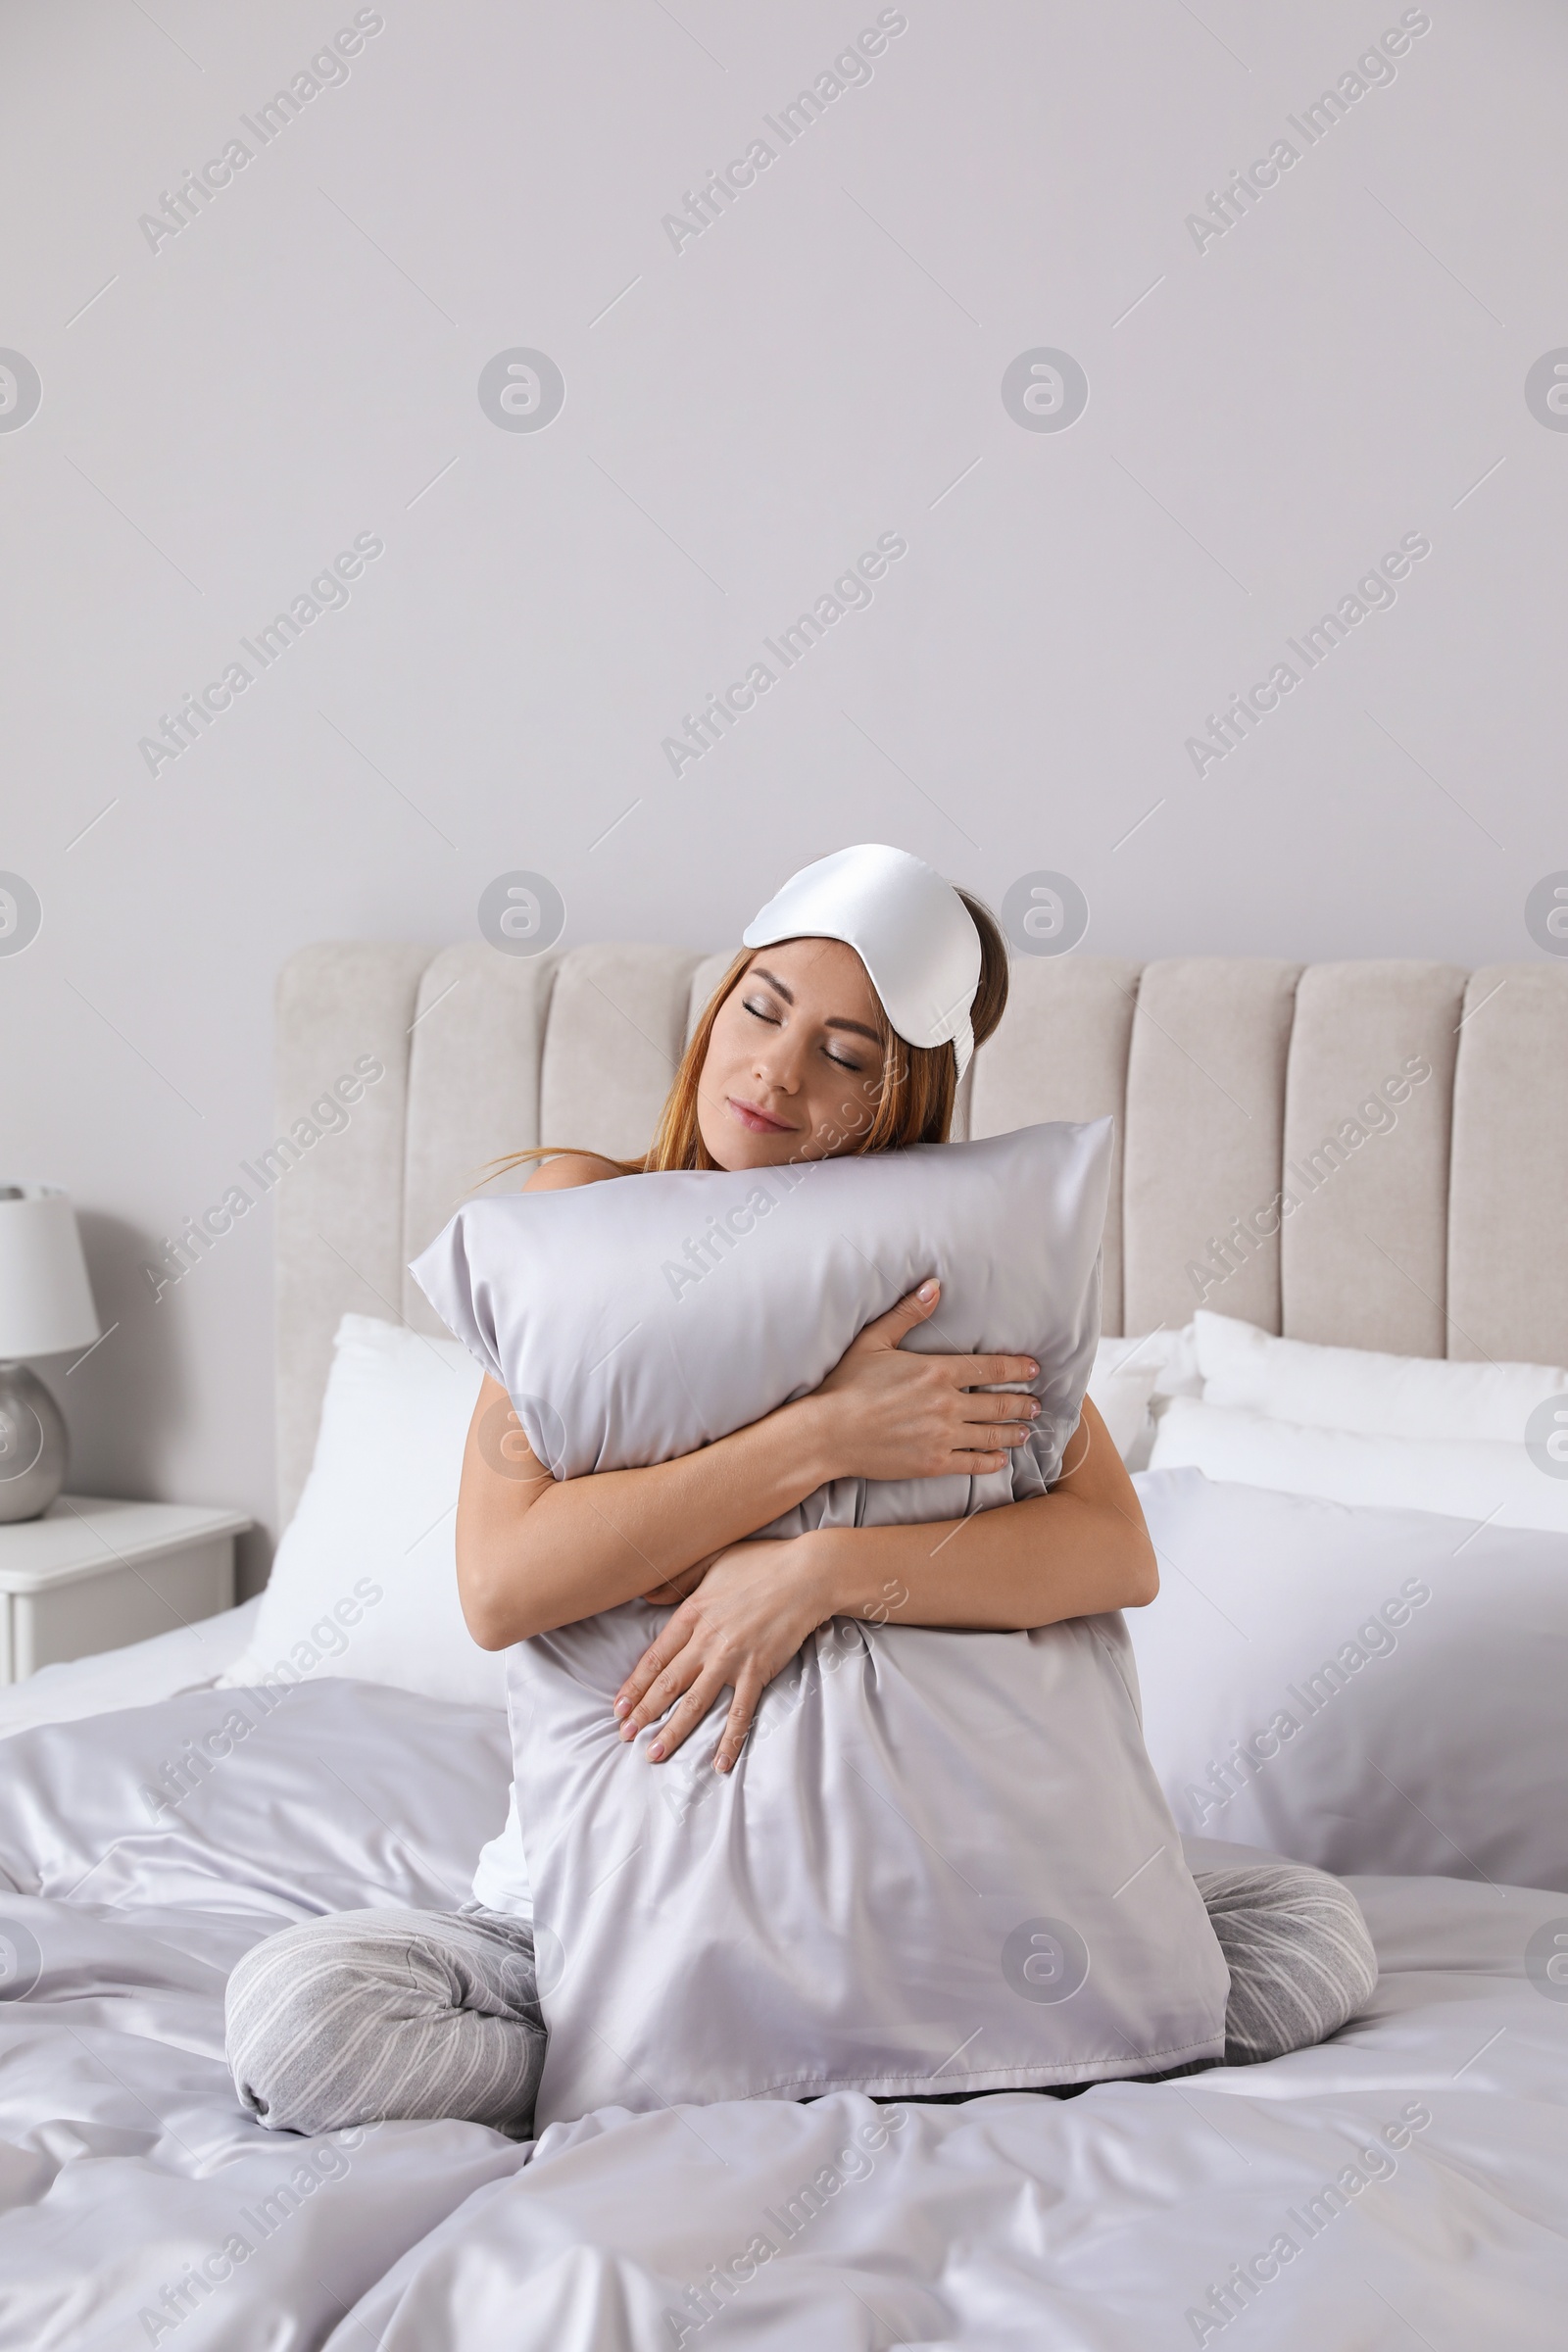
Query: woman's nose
(774, 1066)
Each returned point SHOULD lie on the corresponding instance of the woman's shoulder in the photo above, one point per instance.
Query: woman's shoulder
(568, 1168)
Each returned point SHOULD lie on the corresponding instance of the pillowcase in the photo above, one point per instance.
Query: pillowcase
(1132, 1380)
(1359, 1389)
(640, 1318)
(1120, 1393)
(941, 1864)
(1479, 1479)
(1370, 1691)
(1172, 1356)
(365, 1583)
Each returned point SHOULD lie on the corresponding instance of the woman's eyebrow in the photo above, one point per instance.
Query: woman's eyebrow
(787, 995)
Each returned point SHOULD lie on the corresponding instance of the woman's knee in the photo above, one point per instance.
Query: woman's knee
(1302, 1959)
(371, 2015)
(297, 2008)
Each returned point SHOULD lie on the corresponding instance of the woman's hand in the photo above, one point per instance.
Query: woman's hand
(747, 1618)
(890, 1413)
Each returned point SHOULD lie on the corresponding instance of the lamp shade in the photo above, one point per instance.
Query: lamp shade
(45, 1298)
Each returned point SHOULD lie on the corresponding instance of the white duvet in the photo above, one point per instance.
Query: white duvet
(1407, 2183)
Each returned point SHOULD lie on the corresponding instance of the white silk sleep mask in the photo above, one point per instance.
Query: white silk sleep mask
(912, 932)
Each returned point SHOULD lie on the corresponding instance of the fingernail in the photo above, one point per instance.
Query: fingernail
(655, 1755)
(1033, 1372)
(927, 1291)
(621, 1705)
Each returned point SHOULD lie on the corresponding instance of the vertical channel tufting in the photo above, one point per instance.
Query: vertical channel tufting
(475, 1054)
(1366, 1149)
(613, 1043)
(1441, 1231)
(706, 977)
(1205, 1094)
(1508, 1196)
(338, 1211)
(1061, 1052)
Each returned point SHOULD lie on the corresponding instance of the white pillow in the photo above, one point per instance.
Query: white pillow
(941, 1864)
(1131, 1380)
(638, 1319)
(1479, 1479)
(365, 1583)
(1172, 1355)
(1121, 1395)
(1370, 1691)
(1359, 1389)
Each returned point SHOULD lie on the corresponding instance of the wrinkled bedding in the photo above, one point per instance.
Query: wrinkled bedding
(189, 1657)
(141, 1852)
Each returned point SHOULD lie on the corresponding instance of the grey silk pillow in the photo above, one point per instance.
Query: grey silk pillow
(637, 1319)
(942, 1864)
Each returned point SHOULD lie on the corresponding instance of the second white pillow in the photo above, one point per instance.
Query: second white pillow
(365, 1584)
(1363, 1390)
(1480, 1479)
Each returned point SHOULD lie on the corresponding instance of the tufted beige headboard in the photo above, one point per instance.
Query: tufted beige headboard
(1433, 1222)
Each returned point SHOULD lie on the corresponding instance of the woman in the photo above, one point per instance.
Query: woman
(844, 1026)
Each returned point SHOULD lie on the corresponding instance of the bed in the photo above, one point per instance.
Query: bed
(1406, 2183)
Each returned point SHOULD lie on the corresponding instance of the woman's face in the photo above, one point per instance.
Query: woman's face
(794, 1065)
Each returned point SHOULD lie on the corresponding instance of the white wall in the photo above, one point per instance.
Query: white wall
(743, 417)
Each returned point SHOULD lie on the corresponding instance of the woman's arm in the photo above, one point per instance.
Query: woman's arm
(534, 1552)
(1082, 1548)
(1079, 1550)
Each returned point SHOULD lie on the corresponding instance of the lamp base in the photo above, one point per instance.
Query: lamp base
(32, 1445)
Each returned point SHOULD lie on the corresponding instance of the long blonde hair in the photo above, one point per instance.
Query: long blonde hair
(914, 1097)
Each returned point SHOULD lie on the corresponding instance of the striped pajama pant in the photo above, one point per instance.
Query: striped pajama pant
(370, 2015)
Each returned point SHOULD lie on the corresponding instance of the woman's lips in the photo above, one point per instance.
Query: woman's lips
(759, 1123)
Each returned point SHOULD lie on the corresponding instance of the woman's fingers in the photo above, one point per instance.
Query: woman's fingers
(752, 1616)
(738, 1722)
(991, 1430)
(1001, 1421)
(693, 1688)
(661, 1694)
(991, 1371)
(642, 1674)
(660, 1675)
(887, 1329)
(687, 1715)
(977, 1408)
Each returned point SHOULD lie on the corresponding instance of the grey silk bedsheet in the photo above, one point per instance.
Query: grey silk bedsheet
(1407, 2183)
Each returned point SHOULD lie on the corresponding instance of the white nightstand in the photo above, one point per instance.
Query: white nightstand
(93, 1575)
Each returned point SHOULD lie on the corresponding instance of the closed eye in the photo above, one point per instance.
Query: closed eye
(764, 1013)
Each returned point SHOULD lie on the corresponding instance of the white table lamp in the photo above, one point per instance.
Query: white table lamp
(46, 1308)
